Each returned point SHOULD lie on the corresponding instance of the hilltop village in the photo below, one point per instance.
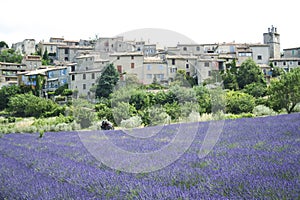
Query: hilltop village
(80, 63)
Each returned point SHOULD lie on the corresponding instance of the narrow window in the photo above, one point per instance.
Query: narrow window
(132, 65)
(83, 76)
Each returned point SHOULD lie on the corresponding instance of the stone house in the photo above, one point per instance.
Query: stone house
(9, 73)
(206, 67)
(26, 47)
(54, 77)
(181, 62)
(128, 63)
(85, 73)
(155, 68)
(32, 61)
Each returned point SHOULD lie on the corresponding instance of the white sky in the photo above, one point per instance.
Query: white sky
(203, 21)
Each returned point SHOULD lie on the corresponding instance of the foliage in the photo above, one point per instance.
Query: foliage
(256, 89)
(262, 110)
(249, 73)
(155, 115)
(123, 111)
(10, 56)
(83, 112)
(28, 105)
(3, 44)
(132, 122)
(6, 92)
(60, 89)
(230, 81)
(277, 71)
(107, 81)
(203, 98)
(104, 112)
(139, 99)
(239, 102)
(285, 92)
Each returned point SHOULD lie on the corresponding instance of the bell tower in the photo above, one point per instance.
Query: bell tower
(272, 38)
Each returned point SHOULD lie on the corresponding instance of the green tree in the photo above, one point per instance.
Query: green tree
(276, 71)
(140, 99)
(9, 55)
(238, 102)
(6, 92)
(229, 81)
(285, 92)
(256, 89)
(3, 44)
(203, 99)
(107, 81)
(28, 105)
(248, 73)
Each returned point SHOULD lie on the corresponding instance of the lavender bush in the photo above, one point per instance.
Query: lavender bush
(255, 158)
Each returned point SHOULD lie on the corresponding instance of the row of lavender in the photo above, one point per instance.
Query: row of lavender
(254, 158)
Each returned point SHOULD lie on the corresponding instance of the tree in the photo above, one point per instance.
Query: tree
(256, 89)
(285, 92)
(45, 58)
(239, 102)
(3, 44)
(9, 55)
(28, 105)
(248, 73)
(229, 81)
(107, 81)
(6, 92)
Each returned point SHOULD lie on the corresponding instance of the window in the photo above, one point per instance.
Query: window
(66, 51)
(149, 67)
(149, 76)
(173, 61)
(298, 62)
(132, 57)
(284, 63)
(118, 57)
(159, 76)
(83, 76)
(66, 59)
(84, 86)
(63, 72)
(197, 48)
(184, 49)
(209, 73)
(132, 65)
(187, 66)
(173, 70)
(51, 74)
(72, 68)
(73, 77)
(275, 63)
(188, 73)
(259, 57)
(161, 67)
(87, 68)
(93, 75)
(206, 64)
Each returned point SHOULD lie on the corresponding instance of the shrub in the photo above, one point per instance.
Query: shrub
(262, 110)
(239, 102)
(132, 122)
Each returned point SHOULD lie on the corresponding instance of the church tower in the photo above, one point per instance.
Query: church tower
(272, 38)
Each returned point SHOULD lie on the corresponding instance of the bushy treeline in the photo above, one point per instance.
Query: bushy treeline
(131, 104)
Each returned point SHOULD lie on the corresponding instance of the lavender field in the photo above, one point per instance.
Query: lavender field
(255, 158)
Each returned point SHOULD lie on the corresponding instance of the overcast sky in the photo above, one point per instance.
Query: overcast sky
(202, 21)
